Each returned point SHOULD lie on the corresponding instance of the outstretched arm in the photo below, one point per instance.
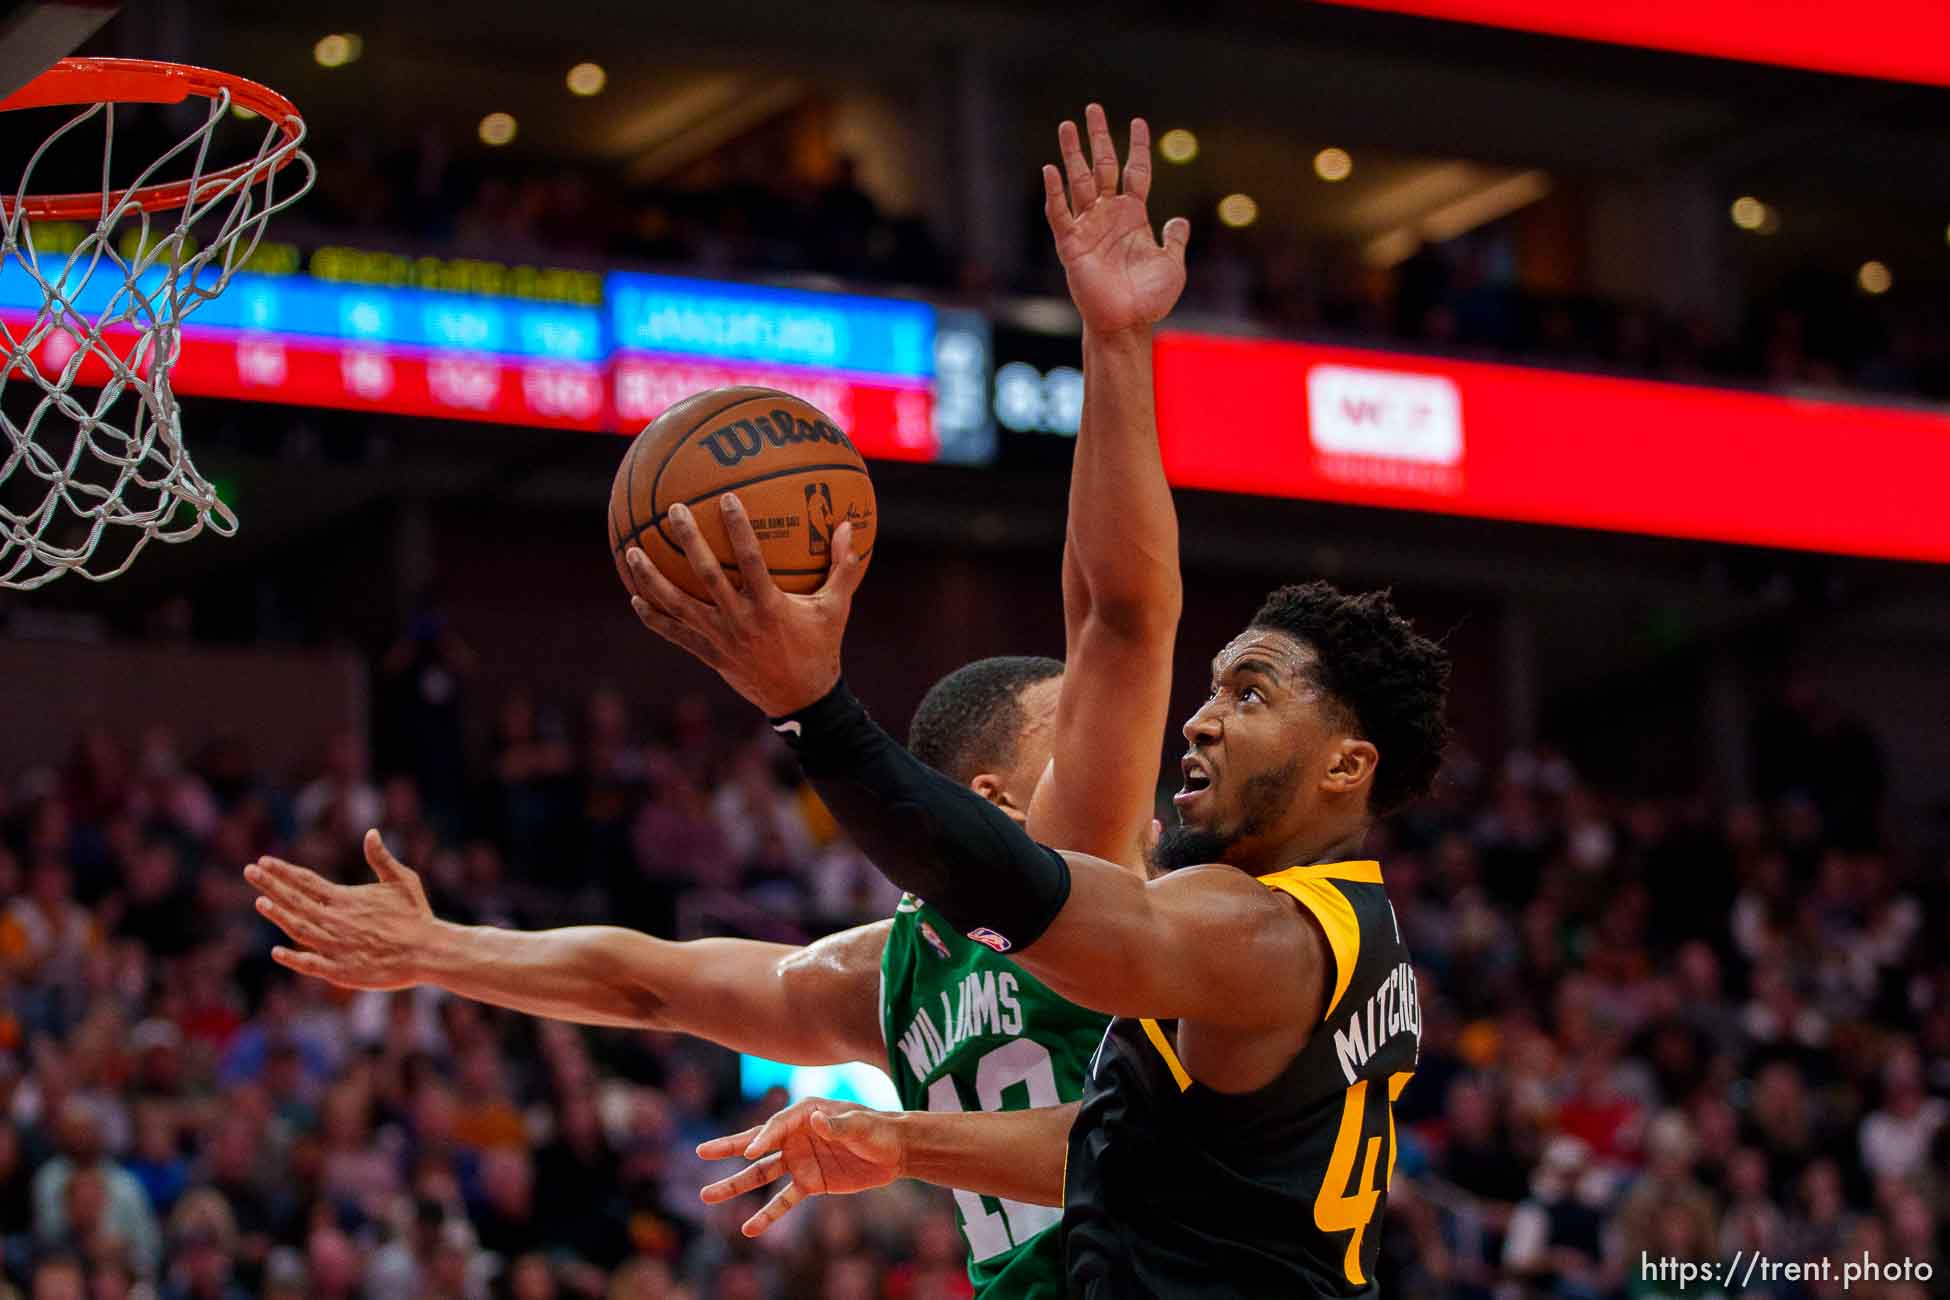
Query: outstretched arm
(1121, 589)
(834, 1148)
(1205, 944)
(816, 1005)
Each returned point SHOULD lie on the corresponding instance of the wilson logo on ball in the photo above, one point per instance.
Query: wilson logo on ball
(745, 438)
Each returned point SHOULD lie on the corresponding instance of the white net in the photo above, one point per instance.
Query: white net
(94, 462)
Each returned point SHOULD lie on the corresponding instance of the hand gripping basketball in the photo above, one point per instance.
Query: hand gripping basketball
(778, 650)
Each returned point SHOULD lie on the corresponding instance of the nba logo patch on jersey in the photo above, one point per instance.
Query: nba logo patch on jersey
(989, 938)
(934, 941)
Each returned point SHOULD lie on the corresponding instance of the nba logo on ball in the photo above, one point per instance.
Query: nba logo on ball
(819, 518)
(984, 935)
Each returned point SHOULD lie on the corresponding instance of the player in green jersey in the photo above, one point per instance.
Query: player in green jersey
(1072, 754)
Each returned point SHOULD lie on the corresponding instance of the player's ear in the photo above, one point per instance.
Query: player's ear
(1351, 767)
(991, 787)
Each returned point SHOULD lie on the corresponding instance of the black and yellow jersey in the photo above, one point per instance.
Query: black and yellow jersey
(1173, 1189)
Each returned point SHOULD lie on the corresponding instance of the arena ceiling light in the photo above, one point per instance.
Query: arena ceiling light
(1238, 210)
(1874, 278)
(587, 79)
(1332, 164)
(338, 49)
(1178, 145)
(497, 129)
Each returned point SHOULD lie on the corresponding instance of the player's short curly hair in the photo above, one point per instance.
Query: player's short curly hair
(1391, 680)
(970, 721)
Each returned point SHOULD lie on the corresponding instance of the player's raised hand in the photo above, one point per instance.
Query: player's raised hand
(822, 1147)
(355, 936)
(780, 651)
(1120, 276)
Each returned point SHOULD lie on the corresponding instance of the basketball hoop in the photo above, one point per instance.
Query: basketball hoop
(111, 304)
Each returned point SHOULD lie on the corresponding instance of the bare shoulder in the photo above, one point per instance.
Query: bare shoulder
(1252, 922)
(1221, 886)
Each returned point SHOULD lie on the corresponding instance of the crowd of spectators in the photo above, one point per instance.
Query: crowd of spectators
(1651, 1029)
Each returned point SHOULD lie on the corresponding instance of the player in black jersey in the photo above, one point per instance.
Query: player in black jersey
(1236, 1135)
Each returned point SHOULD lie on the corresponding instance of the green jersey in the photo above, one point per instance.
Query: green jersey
(968, 1029)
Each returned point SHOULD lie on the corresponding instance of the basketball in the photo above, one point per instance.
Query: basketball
(793, 468)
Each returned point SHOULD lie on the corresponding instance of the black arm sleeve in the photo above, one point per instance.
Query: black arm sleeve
(932, 837)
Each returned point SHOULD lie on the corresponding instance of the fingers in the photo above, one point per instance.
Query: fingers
(850, 1130)
(772, 1133)
(1056, 205)
(753, 1176)
(1103, 150)
(672, 614)
(384, 865)
(1137, 165)
(1083, 186)
(289, 875)
(298, 927)
(285, 892)
(775, 1209)
(744, 545)
(849, 567)
(662, 592)
(681, 635)
(1178, 233)
(703, 561)
(732, 1144)
(316, 966)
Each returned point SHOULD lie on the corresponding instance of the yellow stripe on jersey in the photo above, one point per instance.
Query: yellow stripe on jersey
(1163, 1044)
(1310, 888)
(1361, 873)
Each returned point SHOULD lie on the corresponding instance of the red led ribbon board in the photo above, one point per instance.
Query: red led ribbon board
(1898, 40)
(887, 417)
(395, 380)
(1540, 446)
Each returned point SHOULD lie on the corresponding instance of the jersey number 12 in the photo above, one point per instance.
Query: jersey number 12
(1018, 1061)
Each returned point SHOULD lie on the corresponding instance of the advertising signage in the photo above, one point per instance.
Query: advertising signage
(1538, 446)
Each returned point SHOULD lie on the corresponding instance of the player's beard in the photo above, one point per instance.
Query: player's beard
(1263, 798)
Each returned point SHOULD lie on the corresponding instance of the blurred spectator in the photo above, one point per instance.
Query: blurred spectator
(340, 802)
(107, 1206)
(532, 764)
(1555, 1236)
(1897, 1138)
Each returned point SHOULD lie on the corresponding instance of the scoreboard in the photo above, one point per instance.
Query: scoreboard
(609, 365)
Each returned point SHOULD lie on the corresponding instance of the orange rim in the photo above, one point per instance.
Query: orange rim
(147, 81)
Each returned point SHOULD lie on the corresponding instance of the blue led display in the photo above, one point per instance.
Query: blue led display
(304, 307)
(654, 313)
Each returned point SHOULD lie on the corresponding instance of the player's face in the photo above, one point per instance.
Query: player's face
(1254, 746)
